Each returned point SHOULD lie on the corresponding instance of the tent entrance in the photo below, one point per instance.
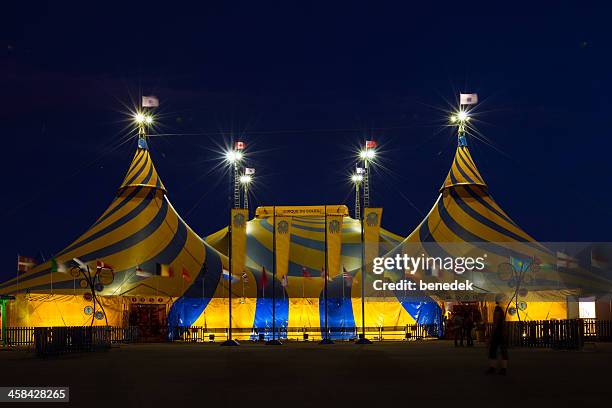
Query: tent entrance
(151, 321)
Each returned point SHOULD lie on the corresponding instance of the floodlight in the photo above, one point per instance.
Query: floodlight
(139, 118)
(233, 156)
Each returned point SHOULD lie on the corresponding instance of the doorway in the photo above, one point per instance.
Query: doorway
(150, 320)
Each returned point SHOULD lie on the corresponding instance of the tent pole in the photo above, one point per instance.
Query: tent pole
(274, 341)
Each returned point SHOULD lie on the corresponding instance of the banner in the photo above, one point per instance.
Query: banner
(334, 244)
(239, 223)
(283, 241)
(371, 231)
(302, 211)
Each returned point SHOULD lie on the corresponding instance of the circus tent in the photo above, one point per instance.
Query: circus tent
(466, 220)
(154, 255)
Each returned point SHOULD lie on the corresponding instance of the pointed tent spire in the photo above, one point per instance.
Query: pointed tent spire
(463, 170)
(142, 172)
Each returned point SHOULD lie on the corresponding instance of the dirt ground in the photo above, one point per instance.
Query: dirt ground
(432, 373)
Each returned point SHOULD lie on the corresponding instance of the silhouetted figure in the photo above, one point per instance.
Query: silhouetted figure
(458, 328)
(498, 340)
(468, 325)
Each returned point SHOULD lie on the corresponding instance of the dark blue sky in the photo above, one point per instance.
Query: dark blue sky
(303, 84)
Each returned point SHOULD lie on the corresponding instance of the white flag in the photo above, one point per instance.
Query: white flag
(468, 99)
(360, 170)
(150, 102)
(81, 264)
(249, 171)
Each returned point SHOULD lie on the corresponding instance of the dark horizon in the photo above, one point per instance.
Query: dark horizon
(303, 86)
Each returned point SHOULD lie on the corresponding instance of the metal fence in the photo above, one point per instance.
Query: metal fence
(565, 334)
(63, 340)
(557, 334)
(198, 334)
(26, 336)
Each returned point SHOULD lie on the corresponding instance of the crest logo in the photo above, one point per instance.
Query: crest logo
(372, 219)
(239, 221)
(282, 227)
(334, 227)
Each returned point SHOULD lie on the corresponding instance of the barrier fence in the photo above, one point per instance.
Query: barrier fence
(26, 336)
(378, 333)
(558, 334)
(565, 334)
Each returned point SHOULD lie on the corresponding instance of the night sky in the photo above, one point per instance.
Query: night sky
(303, 84)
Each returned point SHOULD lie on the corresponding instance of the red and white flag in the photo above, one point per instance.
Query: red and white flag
(239, 145)
(249, 171)
(150, 101)
(468, 99)
(370, 144)
(25, 263)
(101, 265)
(346, 276)
(305, 273)
(264, 277)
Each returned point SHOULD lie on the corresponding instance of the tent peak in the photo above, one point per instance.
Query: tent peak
(142, 172)
(463, 171)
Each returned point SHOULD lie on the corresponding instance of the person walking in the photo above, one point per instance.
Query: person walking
(498, 340)
(458, 328)
(468, 326)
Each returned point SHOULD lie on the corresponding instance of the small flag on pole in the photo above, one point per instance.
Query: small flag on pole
(163, 270)
(305, 273)
(101, 265)
(249, 171)
(599, 259)
(25, 263)
(80, 263)
(370, 144)
(346, 276)
(142, 273)
(185, 275)
(239, 145)
(264, 277)
(566, 261)
(226, 276)
(57, 266)
(150, 102)
(284, 282)
(360, 170)
(468, 99)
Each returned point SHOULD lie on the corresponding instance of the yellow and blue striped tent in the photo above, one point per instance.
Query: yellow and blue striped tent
(156, 257)
(466, 220)
(300, 302)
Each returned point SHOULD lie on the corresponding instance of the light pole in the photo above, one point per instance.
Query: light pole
(245, 182)
(367, 155)
(233, 158)
(357, 179)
